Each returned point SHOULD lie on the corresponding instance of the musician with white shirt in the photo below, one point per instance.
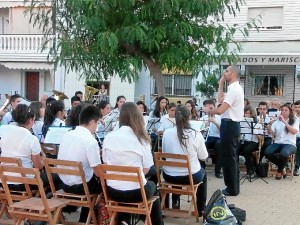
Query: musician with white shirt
(285, 129)
(250, 141)
(168, 120)
(213, 135)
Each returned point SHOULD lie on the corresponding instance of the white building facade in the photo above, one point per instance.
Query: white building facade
(271, 57)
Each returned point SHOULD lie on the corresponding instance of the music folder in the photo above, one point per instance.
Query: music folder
(197, 125)
(55, 134)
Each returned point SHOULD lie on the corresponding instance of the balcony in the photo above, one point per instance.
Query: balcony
(23, 48)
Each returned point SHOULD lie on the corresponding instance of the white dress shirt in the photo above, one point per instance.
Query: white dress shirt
(196, 149)
(79, 145)
(18, 142)
(235, 99)
(166, 122)
(121, 147)
(281, 137)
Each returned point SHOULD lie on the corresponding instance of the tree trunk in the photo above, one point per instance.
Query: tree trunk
(155, 71)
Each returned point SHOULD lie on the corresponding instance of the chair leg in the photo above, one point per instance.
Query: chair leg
(113, 218)
(148, 219)
(194, 202)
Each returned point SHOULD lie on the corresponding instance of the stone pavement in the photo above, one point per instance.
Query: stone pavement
(275, 203)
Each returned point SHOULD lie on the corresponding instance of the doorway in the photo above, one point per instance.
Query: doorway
(32, 86)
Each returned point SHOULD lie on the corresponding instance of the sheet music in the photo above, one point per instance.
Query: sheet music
(55, 134)
(153, 122)
(274, 114)
(197, 125)
(246, 125)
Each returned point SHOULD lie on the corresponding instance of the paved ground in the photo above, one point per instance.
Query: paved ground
(275, 203)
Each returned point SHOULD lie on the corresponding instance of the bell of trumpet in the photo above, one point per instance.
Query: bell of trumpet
(89, 92)
(58, 95)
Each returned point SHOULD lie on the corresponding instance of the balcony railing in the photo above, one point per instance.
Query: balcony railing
(23, 44)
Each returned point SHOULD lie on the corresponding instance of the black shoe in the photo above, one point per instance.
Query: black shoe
(296, 172)
(226, 193)
(219, 175)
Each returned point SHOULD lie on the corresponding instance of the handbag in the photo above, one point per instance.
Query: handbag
(101, 211)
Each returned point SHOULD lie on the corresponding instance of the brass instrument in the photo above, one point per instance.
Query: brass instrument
(58, 95)
(4, 106)
(89, 92)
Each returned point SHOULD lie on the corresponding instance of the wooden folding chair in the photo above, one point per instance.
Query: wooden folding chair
(50, 150)
(130, 174)
(32, 208)
(176, 160)
(71, 168)
(289, 171)
(16, 195)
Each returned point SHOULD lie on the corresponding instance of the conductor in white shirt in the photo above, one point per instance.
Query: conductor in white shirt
(232, 110)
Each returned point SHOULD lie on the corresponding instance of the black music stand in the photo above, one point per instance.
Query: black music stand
(248, 127)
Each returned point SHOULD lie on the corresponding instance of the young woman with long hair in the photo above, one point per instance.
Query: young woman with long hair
(54, 116)
(130, 146)
(182, 139)
(285, 129)
(190, 104)
(249, 140)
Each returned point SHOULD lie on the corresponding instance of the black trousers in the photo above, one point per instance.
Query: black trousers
(94, 187)
(215, 143)
(246, 149)
(132, 196)
(229, 136)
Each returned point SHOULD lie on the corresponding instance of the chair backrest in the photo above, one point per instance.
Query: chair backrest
(65, 167)
(27, 176)
(11, 161)
(121, 173)
(172, 160)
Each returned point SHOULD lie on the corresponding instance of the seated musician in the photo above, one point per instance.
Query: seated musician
(264, 120)
(103, 125)
(54, 116)
(285, 129)
(113, 118)
(168, 120)
(159, 110)
(182, 139)
(80, 145)
(130, 146)
(39, 112)
(26, 147)
(213, 136)
(14, 100)
(190, 104)
(250, 140)
(297, 163)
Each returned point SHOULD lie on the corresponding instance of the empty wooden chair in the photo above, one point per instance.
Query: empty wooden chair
(71, 168)
(176, 160)
(32, 208)
(130, 174)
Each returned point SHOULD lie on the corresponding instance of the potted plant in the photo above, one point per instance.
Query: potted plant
(210, 84)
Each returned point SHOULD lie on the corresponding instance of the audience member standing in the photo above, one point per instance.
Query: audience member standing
(232, 110)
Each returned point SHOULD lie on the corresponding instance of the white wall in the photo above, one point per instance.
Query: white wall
(119, 87)
(290, 26)
(10, 81)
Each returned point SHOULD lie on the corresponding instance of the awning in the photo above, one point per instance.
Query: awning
(28, 65)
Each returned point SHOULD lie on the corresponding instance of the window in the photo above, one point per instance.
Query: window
(271, 17)
(269, 85)
(177, 85)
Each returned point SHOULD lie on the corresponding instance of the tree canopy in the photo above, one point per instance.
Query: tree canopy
(101, 38)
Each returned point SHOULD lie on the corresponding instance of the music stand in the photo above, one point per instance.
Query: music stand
(248, 126)
(152, 123)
